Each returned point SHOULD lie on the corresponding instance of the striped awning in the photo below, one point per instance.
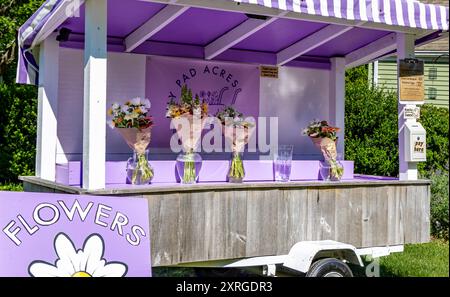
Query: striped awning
(408, 13)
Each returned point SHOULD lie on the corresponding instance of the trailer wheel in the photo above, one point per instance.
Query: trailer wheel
(329, 267)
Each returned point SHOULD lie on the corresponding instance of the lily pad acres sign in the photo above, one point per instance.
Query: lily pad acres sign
(56, 235)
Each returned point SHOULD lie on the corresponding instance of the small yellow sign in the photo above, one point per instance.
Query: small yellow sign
(269, 71)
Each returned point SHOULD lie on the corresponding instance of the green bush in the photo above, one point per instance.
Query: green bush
(439, 206)
(11, 187)
(370, 128)
(17, 131)
(371, 137)
(436, 123)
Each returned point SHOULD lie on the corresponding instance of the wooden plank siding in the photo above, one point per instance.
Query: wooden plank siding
(387, 78)
(208, 226)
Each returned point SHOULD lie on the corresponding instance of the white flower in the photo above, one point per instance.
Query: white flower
(115, 106)
(136, 101)
(143, 109)
(147, 103)
(124, 108)
(86, 262)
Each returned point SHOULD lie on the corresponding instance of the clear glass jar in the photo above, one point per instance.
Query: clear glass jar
(188, 167)
(331, 170)
(139, 171)
(236, 173)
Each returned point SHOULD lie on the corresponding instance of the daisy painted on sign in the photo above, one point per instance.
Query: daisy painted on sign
(86, 262)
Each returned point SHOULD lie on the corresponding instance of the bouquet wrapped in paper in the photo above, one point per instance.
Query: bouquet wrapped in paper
(237, 132)
(324, 138)
(189, 118)
(135, 125)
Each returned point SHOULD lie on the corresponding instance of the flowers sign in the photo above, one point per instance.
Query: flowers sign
(324, 138)
(58, 235)
(237, 132)
(135, 126)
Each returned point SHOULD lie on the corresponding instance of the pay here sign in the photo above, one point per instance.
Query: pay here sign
(56, 235)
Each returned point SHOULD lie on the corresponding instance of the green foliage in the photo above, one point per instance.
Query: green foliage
(11, 187)
(19, 103)
(439, 206)
(17, 131)
(371, 137)
(370, 127)
(436, 123)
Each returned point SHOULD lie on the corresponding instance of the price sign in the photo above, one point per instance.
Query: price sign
(411, 80)
(411, 112)
(269, 71)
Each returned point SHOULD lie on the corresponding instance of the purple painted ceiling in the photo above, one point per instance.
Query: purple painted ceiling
(187, 35)
(281, 33)
(347, 42)
(199, 26)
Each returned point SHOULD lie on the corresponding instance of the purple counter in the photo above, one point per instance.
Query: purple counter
(70, 174)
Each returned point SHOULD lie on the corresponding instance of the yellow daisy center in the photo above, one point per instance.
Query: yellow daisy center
(81, 274)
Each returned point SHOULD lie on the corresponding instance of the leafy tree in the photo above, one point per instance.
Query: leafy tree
(19, 103)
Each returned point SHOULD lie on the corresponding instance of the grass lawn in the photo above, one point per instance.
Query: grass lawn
(428, 259)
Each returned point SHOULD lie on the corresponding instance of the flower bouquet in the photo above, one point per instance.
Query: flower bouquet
(324, 138)
(135, 125)
(237, 131)
(189, 118)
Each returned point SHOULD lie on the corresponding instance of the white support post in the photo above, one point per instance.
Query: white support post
(337, 100)
(47, 133)
(94, 109)
(405, 49)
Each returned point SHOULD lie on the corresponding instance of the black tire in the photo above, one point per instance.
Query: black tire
(329, 267)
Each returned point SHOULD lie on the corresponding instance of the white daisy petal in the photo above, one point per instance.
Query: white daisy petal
(66, 253)
(111, 270)
(82, 258)
(93, 250)
(42, 269)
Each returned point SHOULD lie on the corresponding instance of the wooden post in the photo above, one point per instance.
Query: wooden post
(47, 109)
(337, 99)
(94, 113)
(405, 49)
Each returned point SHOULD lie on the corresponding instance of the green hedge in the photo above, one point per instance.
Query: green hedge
(439, 206)
(17, 131)
(371, 137)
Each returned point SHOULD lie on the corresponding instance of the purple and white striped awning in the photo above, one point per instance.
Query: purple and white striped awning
(408, 13)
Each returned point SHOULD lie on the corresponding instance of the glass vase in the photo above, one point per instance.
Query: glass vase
(139, 171)
(236, 173)
(188, 167)
(331, 170)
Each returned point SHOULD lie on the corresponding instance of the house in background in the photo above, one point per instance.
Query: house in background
(383, 73)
